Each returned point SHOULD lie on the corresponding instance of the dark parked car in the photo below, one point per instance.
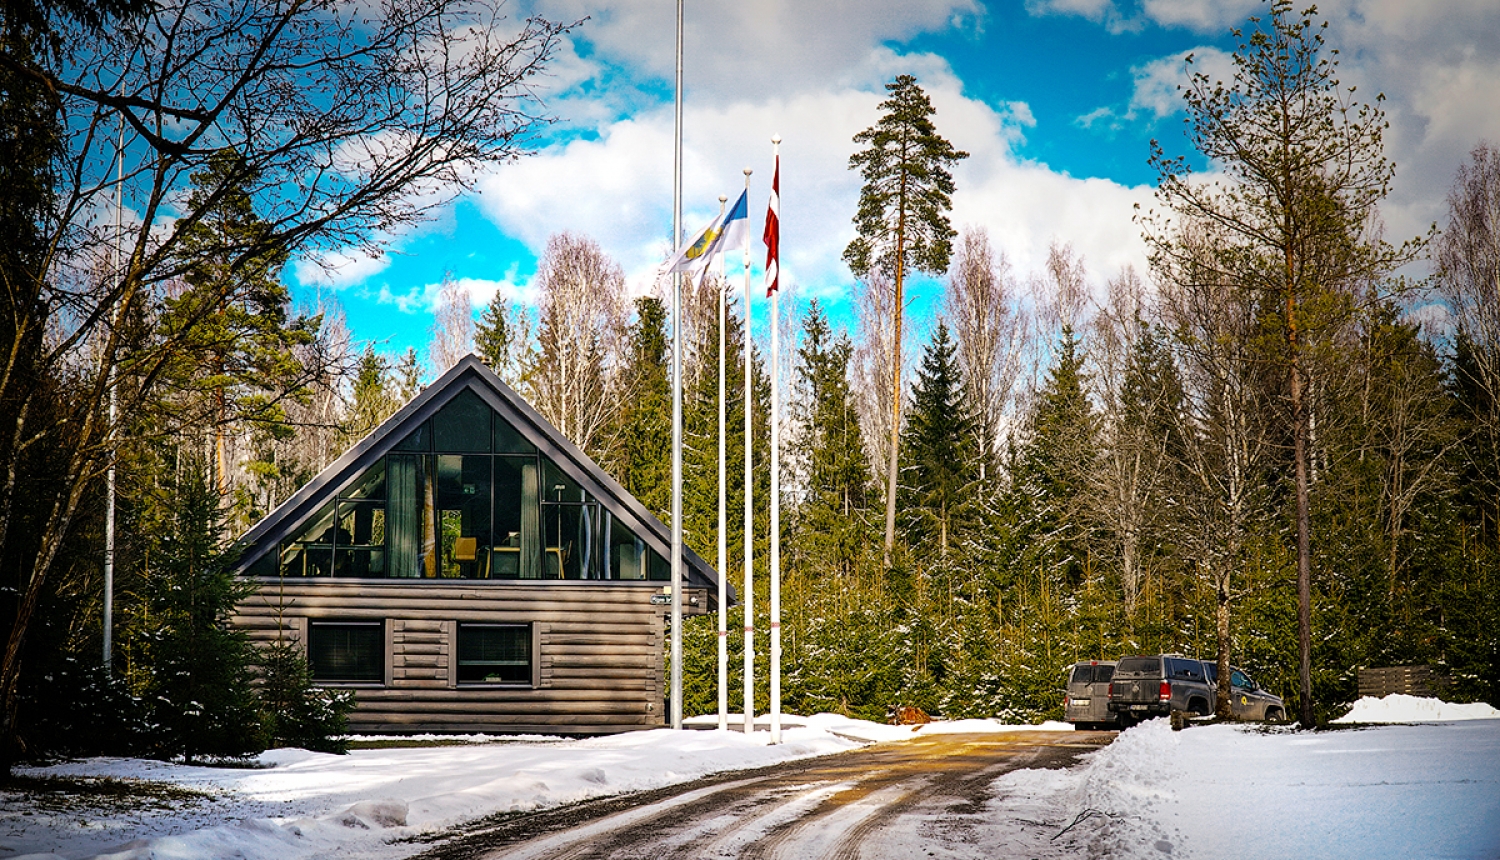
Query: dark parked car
(1086, 699)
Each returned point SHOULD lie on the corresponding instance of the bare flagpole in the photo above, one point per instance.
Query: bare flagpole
(723, 507)
(747, 598)
(776, 458)
(109, 475)
(676, 692)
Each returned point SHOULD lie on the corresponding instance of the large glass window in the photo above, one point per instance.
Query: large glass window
(464, 495)
(494, 654)
(350, 652)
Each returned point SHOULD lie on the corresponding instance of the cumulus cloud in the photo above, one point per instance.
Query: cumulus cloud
(338, 269)
(754, 50)
(616, 187)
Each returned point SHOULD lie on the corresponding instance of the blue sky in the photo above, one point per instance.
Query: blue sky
(1055, 99)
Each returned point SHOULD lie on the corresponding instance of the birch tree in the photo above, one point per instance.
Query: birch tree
(980, 305)
(452, 327)
(580, 335)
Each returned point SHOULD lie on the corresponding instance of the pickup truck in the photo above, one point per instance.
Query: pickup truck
(1145, 687)
(1155, 686)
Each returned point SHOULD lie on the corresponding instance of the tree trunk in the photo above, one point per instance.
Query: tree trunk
(1304, 518)
(893, 470)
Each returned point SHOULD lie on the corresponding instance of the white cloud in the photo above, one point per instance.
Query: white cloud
(617, 187)
(424, 299)
(1201, 16)
(757, 50)
(338, 269)
(1158, 83)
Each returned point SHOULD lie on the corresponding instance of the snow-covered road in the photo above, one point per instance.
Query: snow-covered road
(1426, 790)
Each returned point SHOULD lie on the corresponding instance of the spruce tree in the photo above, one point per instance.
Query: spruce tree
(644, 460)
(940, 451)
(1050, 479)
(829, 524)
(192, 670)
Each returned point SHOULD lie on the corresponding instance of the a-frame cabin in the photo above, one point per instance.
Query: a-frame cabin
(466, 568)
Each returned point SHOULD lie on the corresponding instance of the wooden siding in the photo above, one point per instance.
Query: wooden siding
(597, 651)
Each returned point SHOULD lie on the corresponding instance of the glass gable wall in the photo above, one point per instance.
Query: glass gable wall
(465, 496)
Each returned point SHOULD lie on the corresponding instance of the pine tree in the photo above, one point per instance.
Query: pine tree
(902, 222)
(236, 342)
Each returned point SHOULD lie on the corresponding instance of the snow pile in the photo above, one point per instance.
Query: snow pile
(1398, 708)
(1235, 791)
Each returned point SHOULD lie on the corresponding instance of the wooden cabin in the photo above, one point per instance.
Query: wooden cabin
(465, 568)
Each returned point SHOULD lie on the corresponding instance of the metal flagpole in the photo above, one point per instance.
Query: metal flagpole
(723, 507)
(776, 475)
(747, 598)
(676, 692)
(109, 475)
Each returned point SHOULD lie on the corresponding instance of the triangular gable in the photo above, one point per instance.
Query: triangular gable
(470, 374)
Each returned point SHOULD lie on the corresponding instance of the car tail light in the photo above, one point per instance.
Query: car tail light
(1166, 691)
(1111, 691)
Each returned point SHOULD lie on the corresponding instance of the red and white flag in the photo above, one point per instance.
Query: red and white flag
(772, 237)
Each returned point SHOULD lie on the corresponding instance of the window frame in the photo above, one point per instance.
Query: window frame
(383, 660)
(533, 638)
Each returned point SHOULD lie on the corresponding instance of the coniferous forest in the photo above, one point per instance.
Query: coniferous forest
(1269, 422)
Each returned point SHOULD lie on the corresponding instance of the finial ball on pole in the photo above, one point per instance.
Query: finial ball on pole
(776, 138)
(748, 171)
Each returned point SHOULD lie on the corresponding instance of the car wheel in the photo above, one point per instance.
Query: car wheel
(1199, 707)
(1274, 715)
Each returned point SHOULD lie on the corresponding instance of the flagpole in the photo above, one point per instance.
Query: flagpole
(109, 477)
(723, 508)
(776, 470)
(748, 597)
(676, 689)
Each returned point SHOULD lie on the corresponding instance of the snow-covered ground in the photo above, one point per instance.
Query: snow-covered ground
(1397, 791)
(1425, 790)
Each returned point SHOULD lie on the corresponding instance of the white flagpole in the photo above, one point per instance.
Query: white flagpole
(676, 691)
(776, 486)
(723, 507)
(747, 598)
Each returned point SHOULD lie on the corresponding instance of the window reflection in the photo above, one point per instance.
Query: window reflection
(465, 496)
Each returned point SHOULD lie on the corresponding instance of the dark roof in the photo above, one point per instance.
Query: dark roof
(471, 374)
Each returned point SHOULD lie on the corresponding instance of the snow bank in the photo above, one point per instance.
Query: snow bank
(1398, 708)
(1227, 791)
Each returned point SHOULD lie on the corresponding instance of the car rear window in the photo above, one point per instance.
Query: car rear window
(1139, 666)
(1103, 674)
(1082, 674)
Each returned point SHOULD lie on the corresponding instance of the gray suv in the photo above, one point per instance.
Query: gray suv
(1086, 699)
(1247, 699)
(1155, 686)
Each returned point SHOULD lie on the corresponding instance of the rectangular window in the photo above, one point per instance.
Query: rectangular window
(350, 652)
(494, 654)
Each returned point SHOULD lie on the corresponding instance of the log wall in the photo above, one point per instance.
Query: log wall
(597, 651)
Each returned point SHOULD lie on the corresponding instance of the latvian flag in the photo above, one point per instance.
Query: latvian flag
(772, 238)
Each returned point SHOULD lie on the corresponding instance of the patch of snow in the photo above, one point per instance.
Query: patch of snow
(1218, 791)
(1398, 708)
